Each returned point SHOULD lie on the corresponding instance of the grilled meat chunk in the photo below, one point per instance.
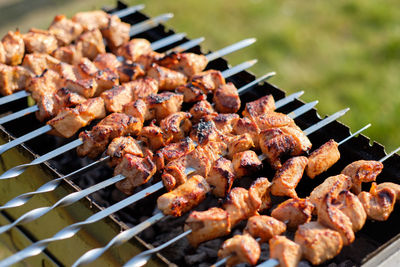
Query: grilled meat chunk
(239, 205)
(105, 80)
(167, 79)
(40, 41)
(259, 107)
(91, 20)
(246, 163)
(163, 104)
(378, 202)
(191, 93)
(278, 142)
(45, 84)
(225, 122)
(173, 151)
(176, 126)
(202, 110)
(351, 206)
(106, 61)
(239, 143)
(287, 252)
(145, 60)
(122, 145)
(294, 212)
(134, 48)
(85, 87)
(395, 187)
(2, 54)
(114, 125)
(37, 62)
(69, 120)
(65, 30)
(70, 54)
(116, 32)
(13, 78)
(332, 185)
(317, 242)
(91, 44)
(241, 249)
(187, 63)
(137, 109)
(259, 194)
(247, 126)
(321, 159)
(362, 171)
(226, 99)
(204, 132)
(14, 48)
(287, 177)
(273, 120)
(129, 72)
(264, 227)
(221, 177)
(153, 137)
(184, 197)
(137, 171)
(207, 225)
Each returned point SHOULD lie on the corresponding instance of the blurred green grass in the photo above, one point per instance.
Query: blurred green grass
(343, 53)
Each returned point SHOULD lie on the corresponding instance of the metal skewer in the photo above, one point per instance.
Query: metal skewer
(127, 11)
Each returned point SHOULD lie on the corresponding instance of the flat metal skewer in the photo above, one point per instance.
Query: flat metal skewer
(127, 11)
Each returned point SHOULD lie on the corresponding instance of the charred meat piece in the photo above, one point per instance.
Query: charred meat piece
(163, 104)
(173, 151)
(204, 132)
(70, 120)
(106, 61)
(294, 212)
(221, 177)
(247, 126)
(287, 252)
(85, 87)
(239, 205)
(241, 249)
(91, 20)
(273, 120)
(65, 30)
(176, 126)
(285, 141)
(14, 48)
(167, 79)
(153, 136)
(395, 187)
(123, 145)
(317, 242)
(259, 194)
(70, 54)
(288, 176)
(40, 41)
(114, 125)
(321, 159)
(191, 93)
(137, 109)
(116, 32)
(239, 143)
(264, 227)
(207, 225)
(225, 122)
(259, 107)
(45, 84)
(38, 62)
(90, 43)
(208, 80)
(137, 171)
(226, 99)
(186, 63)
(246, 163)
(134, 48)
(105, 80)
(145, 60)
(351, 206)
(362, 171)
(129, 72)
(184, 197)
(378, 202)
(13, 78)
(202, 110)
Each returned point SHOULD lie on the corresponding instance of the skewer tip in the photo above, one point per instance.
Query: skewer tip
(168, 15)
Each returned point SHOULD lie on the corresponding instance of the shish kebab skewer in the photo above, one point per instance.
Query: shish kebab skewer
(213, 55)
(74, 197)
(71, 230)
(142, 258)
(155, 46)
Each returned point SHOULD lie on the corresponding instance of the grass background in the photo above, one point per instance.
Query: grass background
(345, 53)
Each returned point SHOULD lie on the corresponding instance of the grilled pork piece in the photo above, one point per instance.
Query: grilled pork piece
(225, 122)
(186, 63)
(239, 143)
(221, 177)
(176, 126)
(167, 79)
(259, 194)
(173, 151)
(321, 159)
(184, 197)
(91, 44)
(91, 20)
(362, 171)
(259, 107)
(294, 212)
(39, 62)
(137, 109)
(14, 48)
(278, 142)
(134, 48)
(137, 171)
(204, 132)
(70, 54)
(246, 163)
(129, 72)
(226, 99)
(351, 206)
(40, 41)
(202, 110)
(273, 119)
(288, 176)
(287, 252)
(65, 30)
(247, 126)
(106, 61)
(45, 85)
(2, 54)
(114, 125)
(116, 32)
(13, 78)
(395, 187)
(153, 137)
(239, 205)
(264, 227)
(207, 225)
(145, 60)
(317, 242)
(85, 87)
(241, 249)
(69, 120)
(164, 104)
(123, 145)
(378, 202)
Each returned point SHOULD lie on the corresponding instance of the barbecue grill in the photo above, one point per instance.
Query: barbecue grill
(376, 243)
